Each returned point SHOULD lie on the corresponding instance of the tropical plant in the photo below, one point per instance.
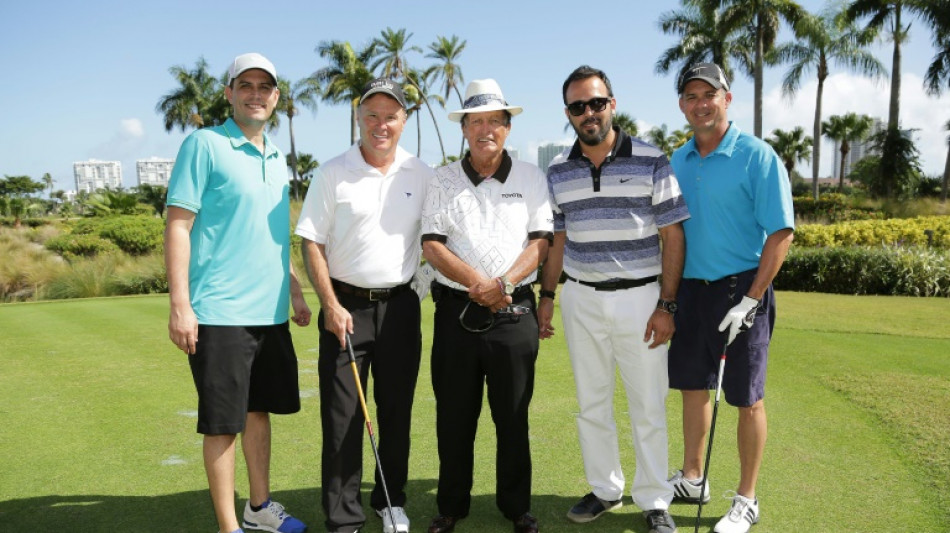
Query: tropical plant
(418, 95)
(703, 37)
(446, 50)
(666, 141)
(344, 78)
(846, 129)
(303, 93)
(48, 181)
(890, 14)
(305, 165)
(17, 190)
(153, 195)
(389, 51)
(791, 146)
(824, 40)
(199, 100)
(761, 18)
(627, 123)
(946, 168)
(900, 163)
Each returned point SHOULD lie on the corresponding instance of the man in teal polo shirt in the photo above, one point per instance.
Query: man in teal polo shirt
(742, 224)
(230, 282)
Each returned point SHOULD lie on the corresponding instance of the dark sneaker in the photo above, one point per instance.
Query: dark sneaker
(687, 491)
(660, 521)
(590, 507)
(526, 524)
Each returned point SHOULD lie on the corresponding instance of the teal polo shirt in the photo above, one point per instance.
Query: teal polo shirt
(737, 196)
(240, 241)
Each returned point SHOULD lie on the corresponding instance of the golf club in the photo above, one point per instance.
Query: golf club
(712, 433)
(369, 429)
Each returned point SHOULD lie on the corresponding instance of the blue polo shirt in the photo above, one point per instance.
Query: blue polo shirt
(240, 241)
(737, 196)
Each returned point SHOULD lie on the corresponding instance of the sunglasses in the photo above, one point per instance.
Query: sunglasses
(486, 319)
(596, 105)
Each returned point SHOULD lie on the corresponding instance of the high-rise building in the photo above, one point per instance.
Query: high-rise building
(547, 152)
(858, 150)
(94, 175)
(154, 171)
(512, 152)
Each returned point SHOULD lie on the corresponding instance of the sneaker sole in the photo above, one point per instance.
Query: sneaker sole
(583, 519)
(688, 499)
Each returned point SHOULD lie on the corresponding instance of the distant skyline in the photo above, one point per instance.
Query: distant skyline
(83, 79)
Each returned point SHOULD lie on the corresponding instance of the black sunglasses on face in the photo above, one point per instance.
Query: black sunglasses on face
(596, 105)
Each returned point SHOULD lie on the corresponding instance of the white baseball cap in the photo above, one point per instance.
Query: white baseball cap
(245, 62)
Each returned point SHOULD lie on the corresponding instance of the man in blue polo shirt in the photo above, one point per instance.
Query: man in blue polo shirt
(615, 200)
(742, 224)
(230, 283)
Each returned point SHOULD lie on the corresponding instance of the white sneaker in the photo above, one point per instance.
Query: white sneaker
(687, 491)
(741, 517)
(399, 515)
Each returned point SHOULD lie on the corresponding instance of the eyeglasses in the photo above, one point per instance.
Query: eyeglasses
(486, 319)
(596, 105)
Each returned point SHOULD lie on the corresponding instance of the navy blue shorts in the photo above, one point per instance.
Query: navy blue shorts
(242, 369)
(697, 345)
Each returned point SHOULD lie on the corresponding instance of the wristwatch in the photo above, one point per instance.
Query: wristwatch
(667, 306)
(507, 286)
(546, 294)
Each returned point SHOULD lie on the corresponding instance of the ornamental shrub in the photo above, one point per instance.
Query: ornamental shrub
(933, 231)
(72, 246)
(134, 235)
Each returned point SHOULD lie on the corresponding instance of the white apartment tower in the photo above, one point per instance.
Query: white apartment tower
(547, 152)
(154, 171)
(94, 175)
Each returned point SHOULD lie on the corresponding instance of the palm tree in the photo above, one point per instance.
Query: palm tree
(343, 79)
(305, 165)
(703, 37)
(447, 51)
(199, 100)
(418, 95)
(891, 13)
(48, 180)
(791, 146)
(823, 40)
(761, 18)
(946, 168)
(626, 123)
(303, 93)
(389, 50)
(845, 129)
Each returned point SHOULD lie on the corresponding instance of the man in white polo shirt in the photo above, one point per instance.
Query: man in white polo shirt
(486, 227)
(360, 224)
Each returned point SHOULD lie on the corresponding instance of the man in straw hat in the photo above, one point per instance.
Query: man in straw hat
(486, 227)
(230, 284)
(615, 200)
(360, 225)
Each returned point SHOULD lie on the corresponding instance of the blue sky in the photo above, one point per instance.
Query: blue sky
(83, 78)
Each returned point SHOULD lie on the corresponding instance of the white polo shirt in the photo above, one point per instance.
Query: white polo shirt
(487, 225)
(369, 222)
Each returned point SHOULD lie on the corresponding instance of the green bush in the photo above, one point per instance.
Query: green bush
(72, 246)
(134, 235)
(887, 270)
(921, 231)
(832, 207)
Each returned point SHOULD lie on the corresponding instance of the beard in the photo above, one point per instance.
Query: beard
(597, 136)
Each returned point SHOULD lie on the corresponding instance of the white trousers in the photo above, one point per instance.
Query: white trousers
(604, 330)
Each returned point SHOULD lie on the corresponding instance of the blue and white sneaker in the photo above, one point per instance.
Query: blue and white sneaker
(273, 518)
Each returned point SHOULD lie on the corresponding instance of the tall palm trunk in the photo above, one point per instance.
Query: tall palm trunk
(418, 135)
(816, 133)
(946, 177)
(759, 52)
(845, 148)
(893, 115)
(461, 105)
(293, 156)
(353, 125)
(425, 99)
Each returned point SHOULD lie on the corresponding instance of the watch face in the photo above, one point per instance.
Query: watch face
(672, 306)
(509, 288)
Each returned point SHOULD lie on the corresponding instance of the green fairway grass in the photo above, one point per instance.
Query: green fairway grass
(98, 414)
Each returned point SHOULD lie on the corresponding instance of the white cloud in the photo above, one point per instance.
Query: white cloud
(132, 127)
(844, 93)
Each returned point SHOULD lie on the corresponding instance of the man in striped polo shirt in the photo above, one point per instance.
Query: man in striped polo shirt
(615, 199)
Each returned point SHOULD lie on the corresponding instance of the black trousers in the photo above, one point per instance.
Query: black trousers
(462, 364)
(387, 343)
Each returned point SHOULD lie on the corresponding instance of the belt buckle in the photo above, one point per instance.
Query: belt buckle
(376, 295)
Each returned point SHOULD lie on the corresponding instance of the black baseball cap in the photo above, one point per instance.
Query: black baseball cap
(710, 73)
(385, 86)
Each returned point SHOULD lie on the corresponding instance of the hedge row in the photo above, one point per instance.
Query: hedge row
(134, 235)
(932, 231)
(887, 270)
(832, 207)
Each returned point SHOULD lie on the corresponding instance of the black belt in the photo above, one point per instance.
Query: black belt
(616, 285)
(373, 295)
(520, 291)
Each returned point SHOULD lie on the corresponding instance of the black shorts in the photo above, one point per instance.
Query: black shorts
(697, 345)
(242, 369)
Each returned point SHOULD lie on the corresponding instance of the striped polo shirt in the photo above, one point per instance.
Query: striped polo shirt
(612, 214)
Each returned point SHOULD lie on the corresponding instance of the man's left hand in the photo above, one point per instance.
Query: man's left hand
(302, 313)
(660, 328)
(740, 317)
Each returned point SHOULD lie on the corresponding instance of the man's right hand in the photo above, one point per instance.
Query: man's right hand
(545, 315)
(338, 320)
(183, 328)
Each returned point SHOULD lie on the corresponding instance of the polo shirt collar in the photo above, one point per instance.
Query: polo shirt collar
(237, 138)
(726, 146)
(353, 159)
(623, 147)
(501, 174)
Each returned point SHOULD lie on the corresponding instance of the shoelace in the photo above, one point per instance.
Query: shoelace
(739, 505)
(277, 510)
(658, 518)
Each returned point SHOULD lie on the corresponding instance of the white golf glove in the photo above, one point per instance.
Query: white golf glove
(740, 317)
(422, 280)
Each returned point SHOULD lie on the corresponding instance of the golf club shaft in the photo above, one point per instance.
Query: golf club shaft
(369, 429)
(712, 433)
